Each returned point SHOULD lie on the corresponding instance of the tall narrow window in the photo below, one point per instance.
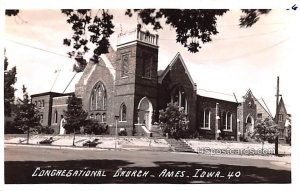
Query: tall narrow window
(228, 121)
(280, 117)
(43, 103)
(201, 118)
(123, 112)
(104, 117)
(125, 65)
(92, 116)
(41, 118)
(179, 97)
(98, 117)
(206, 119)
(98, 97)
(147, 65)
(224, 120)
(55, 116)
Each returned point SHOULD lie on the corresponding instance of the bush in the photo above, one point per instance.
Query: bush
(173, 121)
(45, 130)
(123, 133)
(94, 127)
(47, 141)
(10, 128)
(93, 143)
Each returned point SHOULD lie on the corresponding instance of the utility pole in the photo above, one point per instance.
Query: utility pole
(276, 115)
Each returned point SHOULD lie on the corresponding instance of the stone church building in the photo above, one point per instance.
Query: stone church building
(126, 83)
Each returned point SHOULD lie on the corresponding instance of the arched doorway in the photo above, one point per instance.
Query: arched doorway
(249, 124)
(145, 112)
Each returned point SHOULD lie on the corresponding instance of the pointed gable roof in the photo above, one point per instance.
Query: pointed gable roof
(249, 92)
(169, 67)
(282, 105)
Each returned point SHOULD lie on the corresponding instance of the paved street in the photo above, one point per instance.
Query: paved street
(29, 165)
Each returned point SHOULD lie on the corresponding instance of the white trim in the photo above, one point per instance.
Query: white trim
(109, 65)
(134, 42)
(61, 97)
(252, 122)
(226, 124)
(89, 75)
(150, 111)
(59, 105)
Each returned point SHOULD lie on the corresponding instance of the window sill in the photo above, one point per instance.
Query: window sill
(123, 77)
(202, 128)
(227, 130)
(147, 78)
(122, 121)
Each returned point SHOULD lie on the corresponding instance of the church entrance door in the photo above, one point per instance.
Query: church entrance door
(145, 112)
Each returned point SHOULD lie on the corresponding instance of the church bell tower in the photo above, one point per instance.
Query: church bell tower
(136, 79)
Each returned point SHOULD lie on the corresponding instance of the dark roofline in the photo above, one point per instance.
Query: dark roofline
(53, 94)
(219, 99)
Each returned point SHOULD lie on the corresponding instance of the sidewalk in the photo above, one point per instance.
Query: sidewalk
(107, 143)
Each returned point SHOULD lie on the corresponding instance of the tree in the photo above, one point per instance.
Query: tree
(265, 131)
(194, 27)
(9, 90)
(173, 121)
(75, 115)
(12, 12)
(26, 114)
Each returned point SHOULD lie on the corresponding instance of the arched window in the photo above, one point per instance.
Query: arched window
(92, 116)
(41, 118)
(55, 116)
(228, 121)
(104, 117)
(123, 111)
(98, 97)
(206, 119)
(125, 65)
(179, 97)
(98, 116)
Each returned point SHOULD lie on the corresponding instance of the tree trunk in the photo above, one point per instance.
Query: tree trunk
(28, 135)
(262, 146)
(74, 138)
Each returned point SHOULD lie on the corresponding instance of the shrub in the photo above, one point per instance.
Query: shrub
(94, 127)
(173, 121)
(47, 141)
(93, 143)
(45, 130)
(123, 133)
(10, 128)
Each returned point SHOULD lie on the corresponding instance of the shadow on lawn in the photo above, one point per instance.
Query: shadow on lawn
(20, 172)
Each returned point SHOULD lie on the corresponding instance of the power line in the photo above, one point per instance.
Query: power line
(37, 48)
(130, 73)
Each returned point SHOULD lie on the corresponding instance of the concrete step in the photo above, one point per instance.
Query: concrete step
(180, 146)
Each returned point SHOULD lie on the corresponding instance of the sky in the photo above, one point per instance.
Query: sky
(237, 59)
